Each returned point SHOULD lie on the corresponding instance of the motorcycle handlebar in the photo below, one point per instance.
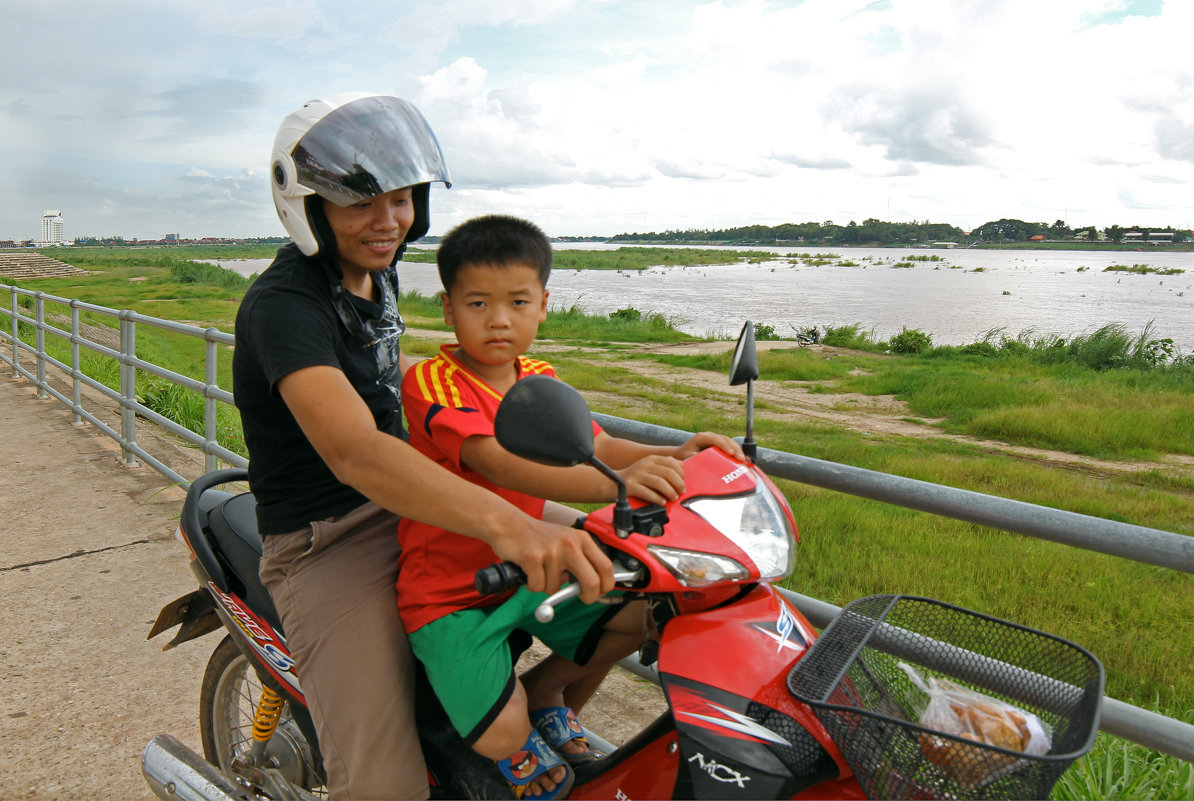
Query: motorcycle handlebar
(503, 576)
(498, 578)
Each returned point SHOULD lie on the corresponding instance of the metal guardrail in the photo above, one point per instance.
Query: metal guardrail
(1152, 546)
(126, 357)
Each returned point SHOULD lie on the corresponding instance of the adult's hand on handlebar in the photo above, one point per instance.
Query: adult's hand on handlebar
(550, 553)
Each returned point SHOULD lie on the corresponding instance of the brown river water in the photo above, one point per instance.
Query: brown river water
(956, 300)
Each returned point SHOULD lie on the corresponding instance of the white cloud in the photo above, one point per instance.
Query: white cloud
(599, 117)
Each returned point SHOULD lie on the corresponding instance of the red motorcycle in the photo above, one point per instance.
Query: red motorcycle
(744, 720)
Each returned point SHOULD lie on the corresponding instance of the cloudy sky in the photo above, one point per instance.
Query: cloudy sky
(139, 118)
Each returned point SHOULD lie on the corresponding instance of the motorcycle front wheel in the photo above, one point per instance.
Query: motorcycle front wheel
(228, 702)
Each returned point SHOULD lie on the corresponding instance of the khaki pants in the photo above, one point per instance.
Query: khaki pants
(333, 584)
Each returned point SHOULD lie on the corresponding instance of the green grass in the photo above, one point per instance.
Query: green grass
(788, 364)
(155, 284)
(1143, 269)
(1111, 414)
(1118, 769)
(574, 324)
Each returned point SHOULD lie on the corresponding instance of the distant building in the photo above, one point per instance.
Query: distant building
(1158, 237)
(51, 227)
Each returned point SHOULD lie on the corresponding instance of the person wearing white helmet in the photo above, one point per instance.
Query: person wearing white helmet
(317, 372)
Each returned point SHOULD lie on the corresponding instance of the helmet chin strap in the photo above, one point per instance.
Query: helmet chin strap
(326, 238)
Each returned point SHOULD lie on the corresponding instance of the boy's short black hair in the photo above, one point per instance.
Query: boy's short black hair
(497, 240)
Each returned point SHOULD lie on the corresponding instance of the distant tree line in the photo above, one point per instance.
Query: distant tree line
(869, 232)
(120, 241)
(880, 232)
(1020, 231)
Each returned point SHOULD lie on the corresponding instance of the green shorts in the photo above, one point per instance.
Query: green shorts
(467, 654)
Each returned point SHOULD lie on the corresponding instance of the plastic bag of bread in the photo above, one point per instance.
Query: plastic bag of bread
(959, 711)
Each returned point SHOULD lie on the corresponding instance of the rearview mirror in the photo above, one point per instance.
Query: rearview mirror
(546, 421)
(744, 366)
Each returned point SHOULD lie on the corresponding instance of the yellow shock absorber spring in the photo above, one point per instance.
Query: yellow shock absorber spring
(269, 709)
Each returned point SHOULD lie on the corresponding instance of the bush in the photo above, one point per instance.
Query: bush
(911, 341)
(175, 402)
(199, 272)
(764, 331)
(848, 336)
(984, 349)
(627, 315)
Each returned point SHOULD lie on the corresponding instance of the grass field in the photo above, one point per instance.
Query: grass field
(1138, 619)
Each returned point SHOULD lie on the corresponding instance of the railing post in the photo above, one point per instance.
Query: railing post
(211, 377)
(16, 346)
(39, 337)
(76, 368)
(128, 387)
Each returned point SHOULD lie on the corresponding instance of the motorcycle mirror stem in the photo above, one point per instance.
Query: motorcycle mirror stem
(623, 514)
(744, 369)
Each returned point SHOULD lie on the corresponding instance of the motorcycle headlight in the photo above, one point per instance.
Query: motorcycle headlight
(756, 523)
(696, 569)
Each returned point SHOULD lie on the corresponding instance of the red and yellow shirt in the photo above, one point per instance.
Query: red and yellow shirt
(445, 404)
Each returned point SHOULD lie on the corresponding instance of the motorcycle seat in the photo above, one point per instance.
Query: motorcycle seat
(233, 526)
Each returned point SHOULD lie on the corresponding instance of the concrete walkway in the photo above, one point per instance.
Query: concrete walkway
(87, 558)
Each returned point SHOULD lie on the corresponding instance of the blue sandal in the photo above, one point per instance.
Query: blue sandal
(559, 726)
(534, 759)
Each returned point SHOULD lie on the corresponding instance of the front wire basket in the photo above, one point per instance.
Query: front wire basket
(852, 679)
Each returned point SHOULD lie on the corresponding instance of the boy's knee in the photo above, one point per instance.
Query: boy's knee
(503, 738)
(509, 730)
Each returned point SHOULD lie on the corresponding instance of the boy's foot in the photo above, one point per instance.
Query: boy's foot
(562, 731)
(536, 773)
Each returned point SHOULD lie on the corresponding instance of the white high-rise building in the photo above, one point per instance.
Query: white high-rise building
(51, 226)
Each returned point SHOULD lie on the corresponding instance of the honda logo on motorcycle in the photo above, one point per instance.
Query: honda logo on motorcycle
(735, 474)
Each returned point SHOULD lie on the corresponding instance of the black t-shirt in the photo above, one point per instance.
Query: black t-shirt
(295, 315)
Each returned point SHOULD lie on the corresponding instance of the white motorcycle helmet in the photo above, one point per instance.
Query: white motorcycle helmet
(347, 148)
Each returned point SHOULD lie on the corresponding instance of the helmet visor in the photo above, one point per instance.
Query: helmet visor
(366, 148)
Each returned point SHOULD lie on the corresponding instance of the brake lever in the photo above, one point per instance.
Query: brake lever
(546, 611)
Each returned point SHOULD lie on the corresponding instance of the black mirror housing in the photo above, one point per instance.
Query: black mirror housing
(744, 366)
(546, 421)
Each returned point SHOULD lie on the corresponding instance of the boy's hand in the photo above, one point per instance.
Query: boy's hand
(654, 478)
(551, 554)
(707, 439)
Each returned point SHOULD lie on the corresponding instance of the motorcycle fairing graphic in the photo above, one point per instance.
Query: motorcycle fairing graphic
(740, 732)
(735, 747)
(261, 637)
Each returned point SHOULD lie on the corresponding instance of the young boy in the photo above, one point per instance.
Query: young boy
(494, 270)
